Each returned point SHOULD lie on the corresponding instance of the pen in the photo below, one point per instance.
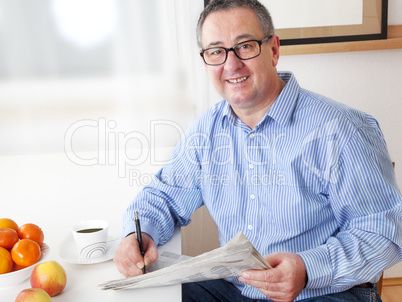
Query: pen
(139, 237)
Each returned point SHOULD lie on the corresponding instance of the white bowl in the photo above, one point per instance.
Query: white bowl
(14, 278)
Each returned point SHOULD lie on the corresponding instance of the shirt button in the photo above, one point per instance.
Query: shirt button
(252, 135)
(250, 227)
(252, 196)
(251, 166)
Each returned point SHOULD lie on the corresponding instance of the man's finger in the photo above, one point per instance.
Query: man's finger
(266, 279)
(150, 256)
(128, 258)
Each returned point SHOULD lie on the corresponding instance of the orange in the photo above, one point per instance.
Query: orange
(16, 267)
(8, 223)
(6, 264)
(25, 252)
(31, 231)
(8, 237)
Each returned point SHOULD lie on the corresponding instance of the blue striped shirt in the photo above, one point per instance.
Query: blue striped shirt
(314, 177)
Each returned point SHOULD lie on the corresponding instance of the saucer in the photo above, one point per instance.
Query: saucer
(68, 251)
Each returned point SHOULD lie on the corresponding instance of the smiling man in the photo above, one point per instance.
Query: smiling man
(250, 85)
(308, 180)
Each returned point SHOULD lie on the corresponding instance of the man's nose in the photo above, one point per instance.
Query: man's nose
(232, 61)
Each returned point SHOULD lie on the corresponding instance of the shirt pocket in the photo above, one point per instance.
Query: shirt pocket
(296, 210)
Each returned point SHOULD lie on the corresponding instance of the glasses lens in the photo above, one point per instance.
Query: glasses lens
(247, 50)
(244, 50)
(216, 55)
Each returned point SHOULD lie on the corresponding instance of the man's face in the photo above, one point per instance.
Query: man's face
(245, 84)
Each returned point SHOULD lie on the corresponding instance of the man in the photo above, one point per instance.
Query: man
(308, 180)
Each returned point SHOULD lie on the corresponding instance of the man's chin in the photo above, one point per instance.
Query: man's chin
(240, 102)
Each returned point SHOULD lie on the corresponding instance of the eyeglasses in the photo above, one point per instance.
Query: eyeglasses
(244, 51)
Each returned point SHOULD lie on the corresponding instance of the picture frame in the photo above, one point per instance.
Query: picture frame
(358, 20)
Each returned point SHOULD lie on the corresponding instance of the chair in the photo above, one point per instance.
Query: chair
(201, 235)
(379, 283)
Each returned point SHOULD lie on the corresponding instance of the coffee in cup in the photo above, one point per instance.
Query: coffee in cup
(90, 237)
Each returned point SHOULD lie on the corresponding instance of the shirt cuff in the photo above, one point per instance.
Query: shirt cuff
(318, 267)
(146, 227)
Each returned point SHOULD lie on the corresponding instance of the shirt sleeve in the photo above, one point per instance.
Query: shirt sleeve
(170, 199)
(367, 205)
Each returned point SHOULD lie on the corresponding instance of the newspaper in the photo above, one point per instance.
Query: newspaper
(235, 257)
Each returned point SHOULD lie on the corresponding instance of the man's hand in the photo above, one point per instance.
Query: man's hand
(283, 282)
(128, 259)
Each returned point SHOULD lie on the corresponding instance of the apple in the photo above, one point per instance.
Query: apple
(33, 295)
(49, 276)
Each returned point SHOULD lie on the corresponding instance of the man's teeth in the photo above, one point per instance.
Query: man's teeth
(238, 80)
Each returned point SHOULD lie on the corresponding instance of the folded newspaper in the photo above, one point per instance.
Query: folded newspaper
(235, 257)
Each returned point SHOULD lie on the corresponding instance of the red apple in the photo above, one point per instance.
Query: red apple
(33, 295)
(49, 276)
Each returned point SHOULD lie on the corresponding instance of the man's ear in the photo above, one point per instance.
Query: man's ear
(274, 47)
(202, 59)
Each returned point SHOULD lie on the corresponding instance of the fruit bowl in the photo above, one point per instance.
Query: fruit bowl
(14, 278)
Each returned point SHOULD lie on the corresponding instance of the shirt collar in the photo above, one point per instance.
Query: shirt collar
(281, 110)
(283, 107)
(227, 114)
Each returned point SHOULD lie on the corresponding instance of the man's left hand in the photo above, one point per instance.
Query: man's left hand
(281, 283)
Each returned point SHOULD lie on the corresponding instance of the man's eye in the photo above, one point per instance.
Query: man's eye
(215, 52)
(246, 46)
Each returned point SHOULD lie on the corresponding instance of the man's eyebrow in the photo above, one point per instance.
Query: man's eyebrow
(244, 37)
(212, 44)
(239, 38)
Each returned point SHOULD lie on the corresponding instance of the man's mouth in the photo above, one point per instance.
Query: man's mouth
(238, 80)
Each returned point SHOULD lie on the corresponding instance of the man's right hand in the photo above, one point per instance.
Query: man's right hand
(128, 259)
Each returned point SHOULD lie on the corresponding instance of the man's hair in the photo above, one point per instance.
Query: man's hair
(260, 10)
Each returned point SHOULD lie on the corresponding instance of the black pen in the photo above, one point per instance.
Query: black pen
(139, 237)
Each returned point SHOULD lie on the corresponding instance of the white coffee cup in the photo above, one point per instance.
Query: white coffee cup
(91, 238)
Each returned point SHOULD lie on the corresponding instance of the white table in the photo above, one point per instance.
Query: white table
(54, 193)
